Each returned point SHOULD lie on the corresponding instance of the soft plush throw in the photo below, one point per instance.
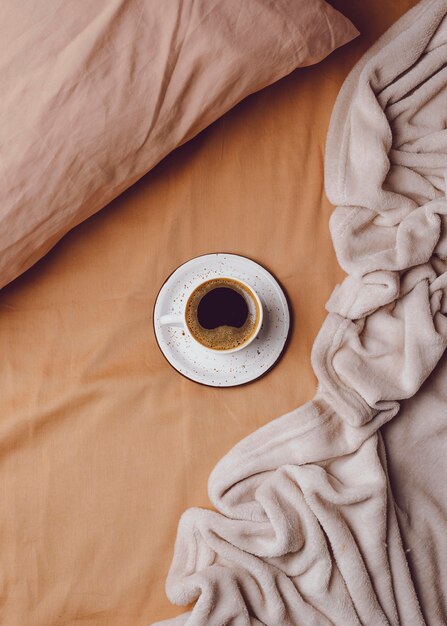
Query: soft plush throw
(94, 94)
(314, 520)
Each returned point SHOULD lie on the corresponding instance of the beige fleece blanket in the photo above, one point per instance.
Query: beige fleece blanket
(326, 515)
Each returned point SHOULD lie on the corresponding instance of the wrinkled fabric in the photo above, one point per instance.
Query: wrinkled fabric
(94, 94)
(306, 528)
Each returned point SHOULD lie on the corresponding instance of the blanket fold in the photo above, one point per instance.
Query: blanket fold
(305, 530)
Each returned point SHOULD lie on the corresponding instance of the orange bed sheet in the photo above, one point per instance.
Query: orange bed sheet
(103, 444)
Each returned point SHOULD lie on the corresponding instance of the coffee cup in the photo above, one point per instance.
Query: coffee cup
(222, 314)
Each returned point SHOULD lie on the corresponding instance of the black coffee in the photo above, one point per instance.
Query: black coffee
(222, 313)
(222, 306)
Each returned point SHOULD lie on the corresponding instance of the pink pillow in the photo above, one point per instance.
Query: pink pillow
(93, 96)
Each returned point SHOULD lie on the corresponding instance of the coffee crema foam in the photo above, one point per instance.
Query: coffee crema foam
(223, 337)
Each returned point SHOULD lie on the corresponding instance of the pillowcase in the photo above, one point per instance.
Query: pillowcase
(94, 94)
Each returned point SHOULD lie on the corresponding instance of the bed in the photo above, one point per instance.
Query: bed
(104, 445)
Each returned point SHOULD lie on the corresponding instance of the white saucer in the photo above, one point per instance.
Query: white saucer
(198, 363)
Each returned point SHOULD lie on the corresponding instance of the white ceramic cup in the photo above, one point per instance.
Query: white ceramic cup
(180, 320)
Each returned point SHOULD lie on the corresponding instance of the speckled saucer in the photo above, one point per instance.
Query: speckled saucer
(212, 368)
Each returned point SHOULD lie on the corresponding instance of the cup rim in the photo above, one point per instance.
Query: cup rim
(252, 336)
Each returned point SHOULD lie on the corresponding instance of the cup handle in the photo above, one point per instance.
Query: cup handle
(171, 320)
